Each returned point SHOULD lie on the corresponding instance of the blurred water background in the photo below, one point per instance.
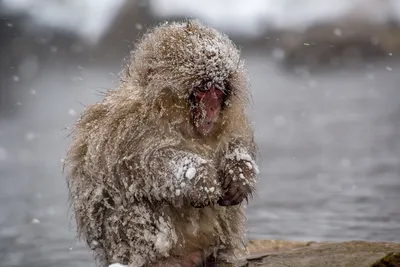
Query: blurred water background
(326, 111)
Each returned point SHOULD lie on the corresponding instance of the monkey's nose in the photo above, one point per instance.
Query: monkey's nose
(214, 95)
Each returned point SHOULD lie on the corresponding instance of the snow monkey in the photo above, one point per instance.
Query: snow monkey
(158, 169)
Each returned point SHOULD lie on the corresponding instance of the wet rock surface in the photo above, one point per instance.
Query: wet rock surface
(278, 253)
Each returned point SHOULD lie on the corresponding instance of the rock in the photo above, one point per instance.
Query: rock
(277, 253)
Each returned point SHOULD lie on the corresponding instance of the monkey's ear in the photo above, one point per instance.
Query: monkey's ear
(148, 73)
(145, 75)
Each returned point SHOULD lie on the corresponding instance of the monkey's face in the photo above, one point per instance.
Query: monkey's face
(206, 102)
(196, 70)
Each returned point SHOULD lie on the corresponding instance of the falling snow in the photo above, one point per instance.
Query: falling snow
(338, 32)
(35, 221)
(370, 76)
(30, 136)
(280, 121)
(3, 154)
(278, 54)
(72, 112)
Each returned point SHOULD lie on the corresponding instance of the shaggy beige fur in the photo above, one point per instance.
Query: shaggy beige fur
(137, 167)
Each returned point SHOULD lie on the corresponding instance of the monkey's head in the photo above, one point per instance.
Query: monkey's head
(194, 67)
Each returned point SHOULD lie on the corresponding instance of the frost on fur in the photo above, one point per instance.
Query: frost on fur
(238, 176)
(194, 179)
(143, 184)
(241, 166)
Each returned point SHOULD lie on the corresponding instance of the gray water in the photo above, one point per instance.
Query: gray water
(329, 158)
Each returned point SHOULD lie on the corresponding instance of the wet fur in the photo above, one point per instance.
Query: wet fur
(129, 205)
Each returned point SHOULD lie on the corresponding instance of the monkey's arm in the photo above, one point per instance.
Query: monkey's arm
(238, 173)
(177, 175)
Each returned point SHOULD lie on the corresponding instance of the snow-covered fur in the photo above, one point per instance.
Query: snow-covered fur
(136, 164)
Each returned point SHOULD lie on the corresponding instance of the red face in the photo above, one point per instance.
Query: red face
(207, 107)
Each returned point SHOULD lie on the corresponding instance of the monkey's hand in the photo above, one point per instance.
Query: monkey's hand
(195, 179)
(238, 177)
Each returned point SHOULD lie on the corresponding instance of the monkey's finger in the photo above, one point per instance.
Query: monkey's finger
(238, 197)
(228, 202)
(226, 182)
(235, 195)
(246, 193)
(232, 191)
(224, 202)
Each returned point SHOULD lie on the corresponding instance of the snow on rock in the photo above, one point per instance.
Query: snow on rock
(117, 265)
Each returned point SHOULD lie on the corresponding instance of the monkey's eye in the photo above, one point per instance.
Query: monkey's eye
(200, 88)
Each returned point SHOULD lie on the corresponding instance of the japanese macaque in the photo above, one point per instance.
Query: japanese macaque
(158, 169)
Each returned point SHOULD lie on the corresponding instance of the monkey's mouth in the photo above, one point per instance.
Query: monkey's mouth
(205, 126)
(206, 116)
